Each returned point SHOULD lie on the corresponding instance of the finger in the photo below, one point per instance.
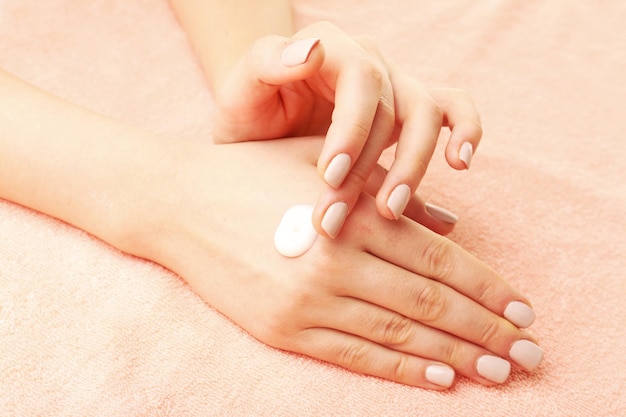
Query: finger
(253, 85)
(360, 85)
(362, 356)
(436, 218)
(461, 115)
(402, 334)
(351, 133)
(439, 306)
(413, 248)
(421, 124)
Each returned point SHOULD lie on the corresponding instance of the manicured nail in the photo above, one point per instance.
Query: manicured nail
(440, 375)
(297, 53)
(527, 354)
(441, 213)
(337, 170)
(519, 314)
(334, 218)
(493, 368)
(398, 199)
(465, 154)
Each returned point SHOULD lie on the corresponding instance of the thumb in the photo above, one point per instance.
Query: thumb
(299, 52)
(271, 62)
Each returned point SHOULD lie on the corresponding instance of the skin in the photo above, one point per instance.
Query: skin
(346, 91)
(418, 299)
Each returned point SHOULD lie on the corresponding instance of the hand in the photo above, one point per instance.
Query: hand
(324, 82)
(386, 298)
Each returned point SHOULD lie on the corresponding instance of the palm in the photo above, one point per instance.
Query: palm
(295, 109)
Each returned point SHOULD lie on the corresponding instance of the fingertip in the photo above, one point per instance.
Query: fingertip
(337, 170)
(465, 154)
(441, 375)
(426, 215)
(328, 217)
(333, 208)
(275, 60)
(519, 313)
(441, 213)
(334, 218)
(392, 206)
(464, 140)
(459, 154)
(299, 52)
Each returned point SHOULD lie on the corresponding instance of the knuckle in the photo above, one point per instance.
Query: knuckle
(281, 321)
(370, 71)
(353, 356)
(400, 370)
(357, 178)
(360, 130)
(452, 352)
(484, 291)
(386, 109)
(434, 110)
(477, 129)
(430, 303)
(367, 42)
(397, 331)
(488, 332)
(439, 259)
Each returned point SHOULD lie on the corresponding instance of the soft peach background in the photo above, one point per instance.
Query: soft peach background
(86, 330)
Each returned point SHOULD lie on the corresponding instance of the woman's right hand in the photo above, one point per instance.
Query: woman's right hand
(322, 81)
(386, 298)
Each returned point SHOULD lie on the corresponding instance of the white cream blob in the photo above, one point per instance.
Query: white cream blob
(295, 233)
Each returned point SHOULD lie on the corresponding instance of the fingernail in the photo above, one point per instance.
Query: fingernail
(337, 170)
(398, 199)
(440, 375)
(519, 314)
(526, 354)
(298, 52)
(465, 154)
(441, 213)
(493, 368)
(334, 218)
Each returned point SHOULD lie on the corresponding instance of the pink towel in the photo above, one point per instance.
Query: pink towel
(88, 331)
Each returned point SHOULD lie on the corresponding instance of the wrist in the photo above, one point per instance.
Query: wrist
(148, 204)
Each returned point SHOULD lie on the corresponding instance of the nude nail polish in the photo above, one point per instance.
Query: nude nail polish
(466, 153)
(297, 53)
(493, 368)
(441, 213)
(337, 170)
(334, 217)
(441, 375)
(526, 354)
(519, 314)
(398, 199)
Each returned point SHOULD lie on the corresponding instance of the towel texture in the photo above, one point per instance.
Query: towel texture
(88, 331)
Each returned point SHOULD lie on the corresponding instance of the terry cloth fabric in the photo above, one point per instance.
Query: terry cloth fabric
(88, 331)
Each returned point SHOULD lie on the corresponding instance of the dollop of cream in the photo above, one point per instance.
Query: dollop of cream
(295, 233)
